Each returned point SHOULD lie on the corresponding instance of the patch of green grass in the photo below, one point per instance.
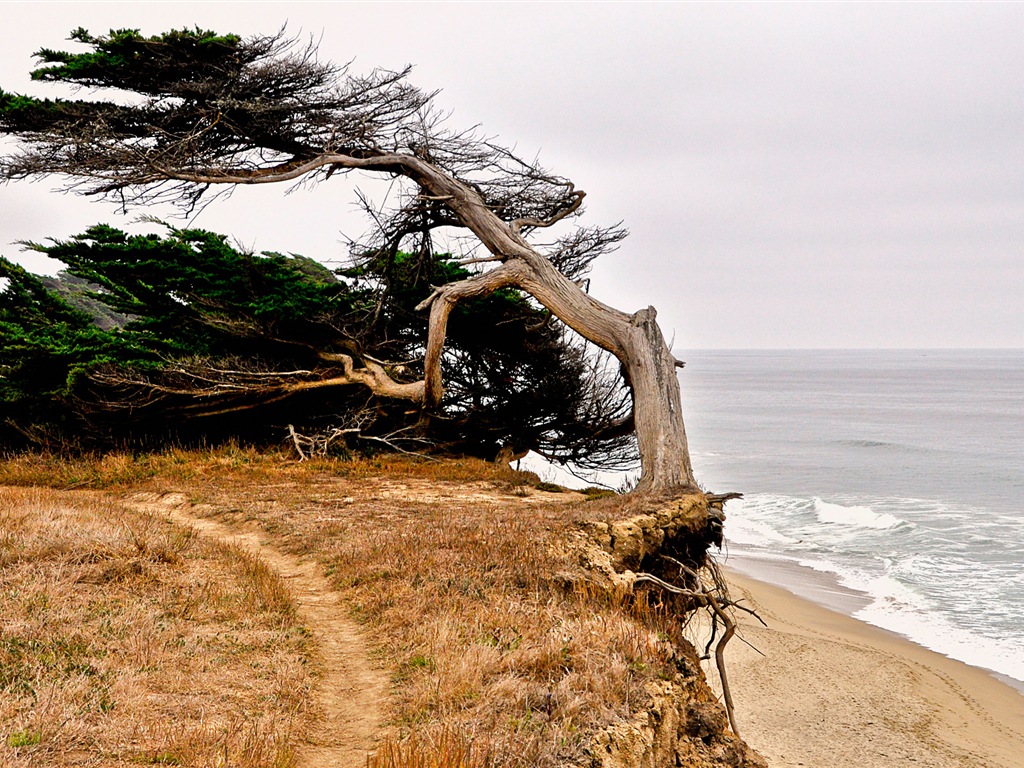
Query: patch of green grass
(165, 758)
(24, 738)
(550, 487)
(158, 758)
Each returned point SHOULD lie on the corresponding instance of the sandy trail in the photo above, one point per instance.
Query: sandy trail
(351, 688)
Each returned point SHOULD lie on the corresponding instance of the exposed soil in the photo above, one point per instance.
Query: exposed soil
(351, 687)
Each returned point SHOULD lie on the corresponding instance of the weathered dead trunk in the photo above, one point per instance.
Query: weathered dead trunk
(636, 340)
(657, 411)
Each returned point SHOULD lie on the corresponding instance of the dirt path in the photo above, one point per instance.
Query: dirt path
(351, 688)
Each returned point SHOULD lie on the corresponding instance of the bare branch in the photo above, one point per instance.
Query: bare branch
(441, 303)
(534, 222)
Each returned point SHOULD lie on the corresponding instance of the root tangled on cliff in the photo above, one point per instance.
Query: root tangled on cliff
(659, 553)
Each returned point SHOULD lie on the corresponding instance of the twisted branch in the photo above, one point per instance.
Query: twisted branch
(717, 601)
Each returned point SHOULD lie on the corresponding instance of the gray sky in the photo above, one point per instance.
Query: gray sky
(793, 175)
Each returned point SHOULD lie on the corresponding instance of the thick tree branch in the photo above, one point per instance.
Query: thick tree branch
(376, 379)
(441, 303)
(208, 391)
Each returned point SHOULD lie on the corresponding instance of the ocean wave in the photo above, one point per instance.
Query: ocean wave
(870, 444)
(899, 607)
(892, 610)
(881, 445)
(755, 533)
(858, 517)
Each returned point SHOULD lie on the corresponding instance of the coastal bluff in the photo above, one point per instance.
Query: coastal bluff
(683, 723)
(495, 613)
(173, 605)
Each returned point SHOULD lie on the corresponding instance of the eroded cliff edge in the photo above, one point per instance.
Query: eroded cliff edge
(682, 723)
(505, 623)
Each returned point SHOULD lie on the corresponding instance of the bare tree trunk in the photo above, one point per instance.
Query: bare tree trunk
(657, 411)
(636, 340)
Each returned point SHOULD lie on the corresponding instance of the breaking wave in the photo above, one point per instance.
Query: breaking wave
(859, 517)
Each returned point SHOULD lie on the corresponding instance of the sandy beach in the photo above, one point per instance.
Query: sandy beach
(833, 692)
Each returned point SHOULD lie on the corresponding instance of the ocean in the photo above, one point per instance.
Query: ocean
(895, 476)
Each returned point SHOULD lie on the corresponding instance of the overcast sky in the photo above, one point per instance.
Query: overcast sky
(793, 175)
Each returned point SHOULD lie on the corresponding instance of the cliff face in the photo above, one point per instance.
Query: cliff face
(682, 724)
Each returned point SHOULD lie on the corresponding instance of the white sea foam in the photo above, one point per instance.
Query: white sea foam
(898, 611)
(860, 517)
(754, 533)
(896, 607)
(823, 536)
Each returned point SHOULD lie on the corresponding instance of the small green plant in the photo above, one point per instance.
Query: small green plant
(163, 758)
(24, 738)
(550, 487)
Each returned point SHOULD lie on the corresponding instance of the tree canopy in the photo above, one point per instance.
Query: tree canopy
(178, 114)
(141, 331)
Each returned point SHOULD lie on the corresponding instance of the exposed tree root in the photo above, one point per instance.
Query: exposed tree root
(665, 544)
(719, 604)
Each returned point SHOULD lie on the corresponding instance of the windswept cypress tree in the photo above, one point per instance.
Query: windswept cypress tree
(149, 337)
(191, 110)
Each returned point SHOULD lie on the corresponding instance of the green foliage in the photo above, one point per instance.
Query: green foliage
(24, 738)
(64, 118)
(46, 344)
(13, 102)
(185, 295)
(120, 345)
(190, 85)
(192, 293)
(126, 59)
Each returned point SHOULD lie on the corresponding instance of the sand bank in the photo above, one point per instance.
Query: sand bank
(833, 692)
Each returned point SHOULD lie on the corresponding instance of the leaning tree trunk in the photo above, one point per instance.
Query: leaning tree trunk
(636, 340)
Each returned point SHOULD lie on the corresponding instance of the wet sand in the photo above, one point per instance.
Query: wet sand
(833, 692)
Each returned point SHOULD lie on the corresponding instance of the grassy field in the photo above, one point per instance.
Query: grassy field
(128, 639)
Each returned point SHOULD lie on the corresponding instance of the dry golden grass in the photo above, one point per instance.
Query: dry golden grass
(128, 470)
(440, 749)
(498, 656)
(124, 640)
(452, 566)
